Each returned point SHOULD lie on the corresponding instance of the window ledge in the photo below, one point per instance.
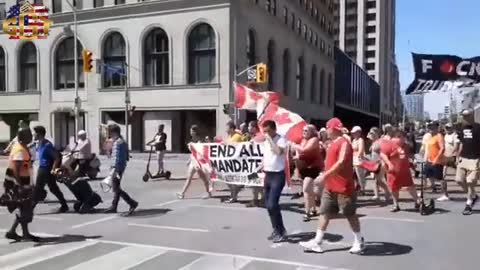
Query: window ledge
(20, 93)
(162, 87)
(68, 89)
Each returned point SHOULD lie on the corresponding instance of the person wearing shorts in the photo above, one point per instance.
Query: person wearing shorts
(468, 167)
(451, 148)
(339, 192)
(435, 148)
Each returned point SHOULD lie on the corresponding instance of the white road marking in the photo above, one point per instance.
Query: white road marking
(124, 258)
(216, 263)
(166, 203)
(168, 227)
(34, 255)
(94, 222)
(41, 217)
(226, 207)
(394, 219)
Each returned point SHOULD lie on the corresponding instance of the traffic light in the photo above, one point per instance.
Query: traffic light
(262, 73)
(87, 60)
(227, 108)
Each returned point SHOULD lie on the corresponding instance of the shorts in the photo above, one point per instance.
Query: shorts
(332, 202)
(434, 171)
(450, 162)
(312, 186)
(309, 172)
(468, 170)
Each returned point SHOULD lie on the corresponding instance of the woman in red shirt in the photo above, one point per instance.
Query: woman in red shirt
(310, 162)
(396, 156)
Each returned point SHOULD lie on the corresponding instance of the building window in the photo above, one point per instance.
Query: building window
(370, 54)
(98, 3)
(65, 65)
(28, 67)
(310, 36)
(313, 85)
(38, 2)
(352, 54)
(251, 55)
(322, 46)
(330, 28)
(371, 4)
(119, 2)
(2, 70)
(299, 26)
(323, 22)
(286, 71)
(315, 13)
(305, 32)
(351, 30)
(273, 7)
(322, 86)
(300, 78)
(78, 4)
(114, 57)
(370, 41)
(57, 6)
(371, 17)
(329, 91)
(316, 40)
(271, 63)
(371, 29)
(292, 21)
(370, 66)
(268, 5)
(156, 58)
(201, 54)
(285, 15)
(310, 8)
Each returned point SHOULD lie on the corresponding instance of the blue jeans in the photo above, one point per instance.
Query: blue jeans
(273, 184)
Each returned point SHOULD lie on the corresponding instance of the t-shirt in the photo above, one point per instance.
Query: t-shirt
(235, 138)
(470, 139)
(271, 161)
(160, 141)
(425, 139)
(20, 153)
(450, 141)
(45, 154)
(433, 148)
(342, 181)
(312, 157)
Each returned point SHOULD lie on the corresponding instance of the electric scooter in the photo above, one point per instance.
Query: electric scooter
(148, 175)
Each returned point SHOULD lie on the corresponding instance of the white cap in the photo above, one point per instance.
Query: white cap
(356, 129)
(82, 132)
(323, 130)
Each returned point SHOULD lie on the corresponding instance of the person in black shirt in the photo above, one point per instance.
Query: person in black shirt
(160, 144)
(469, 158)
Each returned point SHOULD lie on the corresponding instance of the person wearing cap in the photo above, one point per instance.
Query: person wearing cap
(375, 151)
(468, 167)
(48, 160)
(21, 125)
(452, 144)
(159, 141)
(82, 154)
(358, 145)
(339, 191)
(435, 149)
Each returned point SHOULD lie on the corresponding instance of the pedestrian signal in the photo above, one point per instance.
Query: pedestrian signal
(262, 73)
(87, 60)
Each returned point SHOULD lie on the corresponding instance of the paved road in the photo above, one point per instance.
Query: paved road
(167, 233)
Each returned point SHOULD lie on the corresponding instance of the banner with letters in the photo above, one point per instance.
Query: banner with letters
(236, 164)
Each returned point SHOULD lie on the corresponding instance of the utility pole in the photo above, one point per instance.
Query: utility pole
(127, 102)
(76, 108)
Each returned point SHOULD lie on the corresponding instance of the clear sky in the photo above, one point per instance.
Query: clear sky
(435, 27)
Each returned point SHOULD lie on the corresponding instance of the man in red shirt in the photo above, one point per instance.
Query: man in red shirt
(339, 192)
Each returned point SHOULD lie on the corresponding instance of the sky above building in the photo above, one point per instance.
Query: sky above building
(435, 27)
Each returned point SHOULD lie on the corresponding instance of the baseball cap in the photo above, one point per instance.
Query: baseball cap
(335, 123)
(467, 112)
(356, 129)
(82, 132)
(323, 130)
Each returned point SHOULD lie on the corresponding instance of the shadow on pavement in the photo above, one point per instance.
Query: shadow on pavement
(142, 213)
(305, 236)
(56, 201)
(170, 179)
(438, 211)
(385, 249)
(66, 238)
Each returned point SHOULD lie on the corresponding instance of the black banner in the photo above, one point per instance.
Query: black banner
(443, 72)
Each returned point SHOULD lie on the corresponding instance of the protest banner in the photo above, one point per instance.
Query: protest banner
(235, 164)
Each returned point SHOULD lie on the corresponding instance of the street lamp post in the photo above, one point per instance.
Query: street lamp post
(76, 105)
(127, 102)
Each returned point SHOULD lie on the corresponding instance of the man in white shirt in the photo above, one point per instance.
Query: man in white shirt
(84, 154)
(274, 158)
(452, 144)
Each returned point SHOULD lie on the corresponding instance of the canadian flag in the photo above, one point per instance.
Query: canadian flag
(289, 124)
(247, 98)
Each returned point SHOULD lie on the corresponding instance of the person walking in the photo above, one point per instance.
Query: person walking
(48, 160)
(435, 148)
(82, 154)
(468, 167)
(233, 137)
(274, 158)
(358, 145)
(451, 148)
(339, 192)
(160, 144)
(18, 182)
(379, 176)
(255, 137)
(120, 158)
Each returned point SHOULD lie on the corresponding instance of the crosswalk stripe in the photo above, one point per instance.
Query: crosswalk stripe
(217, 263)
(37, 254)
(122, 259)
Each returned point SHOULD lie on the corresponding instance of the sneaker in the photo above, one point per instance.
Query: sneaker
(279, 238)
(357, 247)
(180, 196)
(444, 198)
(132, 209)
(110, 211)
(270, 238)
(467, 211)
(62, 209)
(232, 200)
(207, 195)
(311, 246)
(395, 209)
(13, 236)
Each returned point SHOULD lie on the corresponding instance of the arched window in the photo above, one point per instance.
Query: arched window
(201, 54)
(251, 54)
(65, 65)
(322, 86)
(286, 71)
(28, 67)
(300, 77)
(271, 63)
(329, 90)
(2, 70)
(156, 58)
(313, 85)
(114, 58)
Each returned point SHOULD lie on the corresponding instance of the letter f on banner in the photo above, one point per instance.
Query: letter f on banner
(426, 65)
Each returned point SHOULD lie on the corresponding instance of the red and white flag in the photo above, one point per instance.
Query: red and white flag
(247, 98)
(289, 124)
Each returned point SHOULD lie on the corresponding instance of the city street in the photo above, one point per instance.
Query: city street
(169, 234)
